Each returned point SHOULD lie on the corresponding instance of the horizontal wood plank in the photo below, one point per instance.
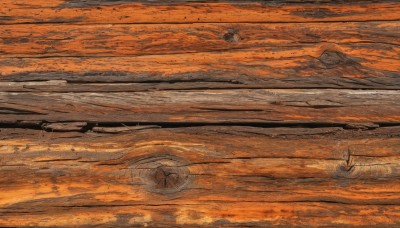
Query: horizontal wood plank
(345, 177)
(99, 12)
(205, 106)
(210, 214)
(351, 66)
(132, 40)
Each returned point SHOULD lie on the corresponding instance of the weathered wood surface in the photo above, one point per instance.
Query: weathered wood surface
(199, 113)
(184, 176)
(214, 106)
(155, 39)
(373, 66)
(241, 55)
(104, 12)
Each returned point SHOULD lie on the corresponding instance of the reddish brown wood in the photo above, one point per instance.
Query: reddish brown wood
(373, 66)
(199, 114)
(96, 12)
(155, 39)
(91, 178)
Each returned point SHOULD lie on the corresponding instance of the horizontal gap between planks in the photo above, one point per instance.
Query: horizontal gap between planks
(39, 125)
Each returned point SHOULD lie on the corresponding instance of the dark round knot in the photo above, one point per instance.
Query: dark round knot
(162, 173)
(232, 36)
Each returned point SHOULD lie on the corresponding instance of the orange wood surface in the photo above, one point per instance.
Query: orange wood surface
(199, 113)
(283, 176)
(106, 12)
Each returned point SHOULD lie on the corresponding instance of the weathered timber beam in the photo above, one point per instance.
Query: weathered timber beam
(209, 106)
(183, 176)
(364, 66)
(144, 39)
(105, 12)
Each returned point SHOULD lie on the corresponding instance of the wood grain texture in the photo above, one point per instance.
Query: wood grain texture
(104, 12)
(123, 40)
(189, 113)
(364, 66)
(214, 106)
(183, 176)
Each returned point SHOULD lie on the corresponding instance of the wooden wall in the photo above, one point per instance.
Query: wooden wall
(199, 113)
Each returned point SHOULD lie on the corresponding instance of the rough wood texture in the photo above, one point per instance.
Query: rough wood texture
(216, 106)
(104, 12)
(117, 40)
(288, 55)
(187, 113)
(322, 66)
(184, 176)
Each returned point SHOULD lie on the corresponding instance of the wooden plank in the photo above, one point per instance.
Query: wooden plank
(145, 39)
(183, 176)
(364, 66)
(211, 215)
(189, 113)
(210, 106)
(97, 12)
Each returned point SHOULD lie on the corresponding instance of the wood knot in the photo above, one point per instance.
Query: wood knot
(332, 58)
(232, 36)
(345, 171)
(163, 174)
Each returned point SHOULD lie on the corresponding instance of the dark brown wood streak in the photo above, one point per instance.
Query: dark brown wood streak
(187, 113)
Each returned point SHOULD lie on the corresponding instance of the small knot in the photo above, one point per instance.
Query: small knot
(345, 171)
(163, 173)
(347, 168)
(232, 36)
(168, 178)
(332, 58)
